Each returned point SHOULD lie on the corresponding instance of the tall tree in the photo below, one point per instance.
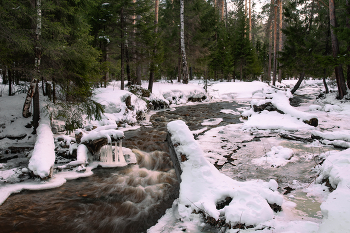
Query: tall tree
(182, 38)
(335, 50)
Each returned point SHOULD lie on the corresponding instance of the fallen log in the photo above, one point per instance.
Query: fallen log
(296, 138)
(174, 157)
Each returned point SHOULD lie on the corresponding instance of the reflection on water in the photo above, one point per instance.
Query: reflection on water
(306, 206)
(129, 199)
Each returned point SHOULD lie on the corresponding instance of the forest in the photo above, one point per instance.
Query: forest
(73, 46)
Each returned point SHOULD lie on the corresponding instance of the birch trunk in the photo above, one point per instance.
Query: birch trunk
(37, 51)
(335, 50)
(183, 51)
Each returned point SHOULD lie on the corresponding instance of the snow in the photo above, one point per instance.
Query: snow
(336, 208)
(274, 120)
(203, 184)
(43, 157)
(108, 133)
(278, 156)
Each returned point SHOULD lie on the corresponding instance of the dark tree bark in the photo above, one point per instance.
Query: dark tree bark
(297, 85)
(335, 50)
(122, 49)
(36, 108)
(128, 72)
(324, 81)
(348, 26)
(9, 73)
(152, 66)
(274, 46)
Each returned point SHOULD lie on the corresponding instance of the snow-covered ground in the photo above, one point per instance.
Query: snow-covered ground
(202, 184)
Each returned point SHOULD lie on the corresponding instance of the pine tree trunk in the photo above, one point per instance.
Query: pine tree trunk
(128, 72)
(270, 44)
(222, 9)
(335, 49)
(297, 85)
(36, 108)
(250, 20)
(122, 49)
(324, 81)
(152, 66)
(9, 73)
(183, 51)
(275, 45)
(54, 91)
(106, 76)
(280, 40)
(348, 26)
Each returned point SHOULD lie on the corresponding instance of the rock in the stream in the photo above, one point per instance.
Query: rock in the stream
(58, 126)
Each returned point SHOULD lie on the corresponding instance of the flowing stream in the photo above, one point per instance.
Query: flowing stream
(133, 198)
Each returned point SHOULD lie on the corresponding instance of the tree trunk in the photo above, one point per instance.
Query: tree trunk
(183, 51)
(275, 45)
(28, 100)
(9, 73)
(280, 40)
(106, 76)
(53, 91)
(270, 44)
(250, 20)
(297, 85)
(222, 10)
(36, 108)
(122, 49)
(348, 26)
(324, 81)
(152, 66)
(335, 50)
(179, 68)
(128, 72)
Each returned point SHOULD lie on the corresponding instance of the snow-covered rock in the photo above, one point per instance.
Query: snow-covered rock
(203, 186)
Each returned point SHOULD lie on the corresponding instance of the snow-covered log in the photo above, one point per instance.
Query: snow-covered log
(43, 158)
(280, 102)
(96, 139)
(203, 188)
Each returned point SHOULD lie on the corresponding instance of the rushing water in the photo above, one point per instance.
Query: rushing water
(133, 198)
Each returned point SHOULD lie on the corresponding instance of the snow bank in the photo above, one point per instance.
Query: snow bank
(203, 186)
(176, 93)
(336, 208)
(43, 157)
(113, 99)
(231, 90)
(338, 135)
(278, 156)
(280, 99)
(274, 120)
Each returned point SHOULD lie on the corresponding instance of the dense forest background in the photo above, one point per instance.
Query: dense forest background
(77, 45)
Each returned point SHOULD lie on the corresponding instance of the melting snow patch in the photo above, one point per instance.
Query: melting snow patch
(278, 156)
